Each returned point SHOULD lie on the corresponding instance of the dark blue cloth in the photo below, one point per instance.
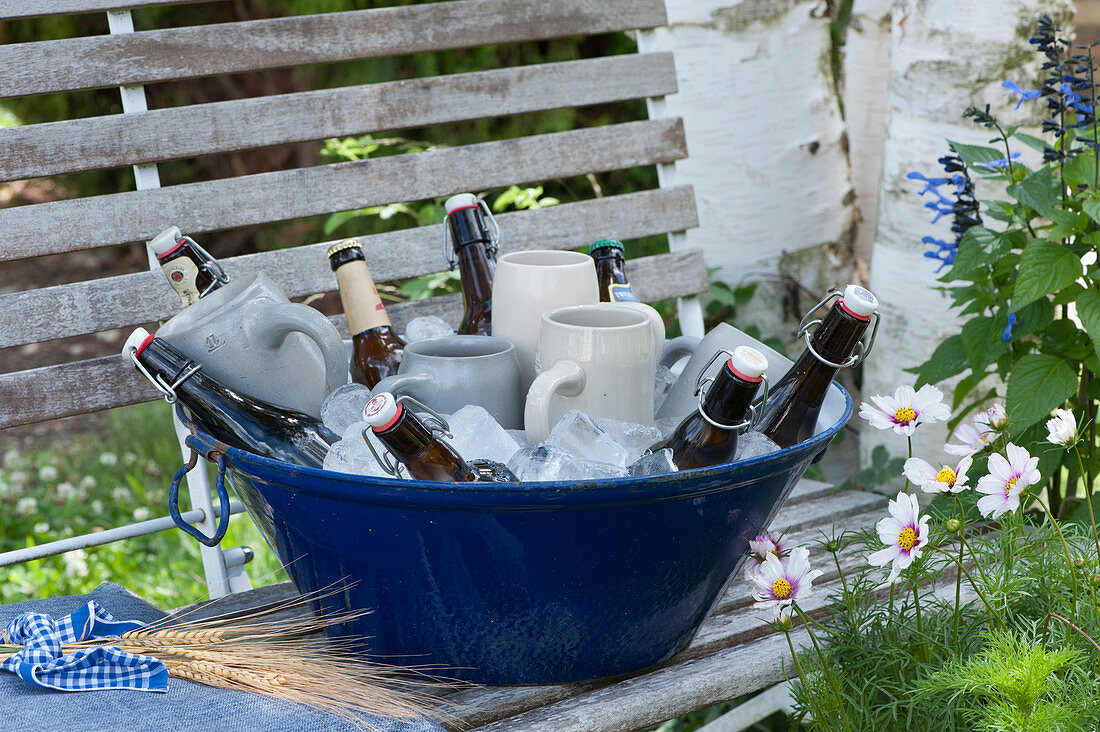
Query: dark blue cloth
(184, 708)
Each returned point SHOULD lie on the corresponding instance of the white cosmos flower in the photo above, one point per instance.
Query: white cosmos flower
(904, 532)
(995, 418)
(906, 409)
(973, 439)
(1062, 428)
(760, 546)
(931, 480)
(1006, 481)
(781, 582)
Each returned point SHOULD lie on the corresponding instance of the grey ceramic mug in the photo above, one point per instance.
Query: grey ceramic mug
(449, 372)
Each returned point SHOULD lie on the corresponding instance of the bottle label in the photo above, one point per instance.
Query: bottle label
(183, 275)
(621, 293)
(362, 305)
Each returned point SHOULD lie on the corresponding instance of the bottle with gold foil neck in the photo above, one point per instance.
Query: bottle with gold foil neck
(376, 349)
(469, 234)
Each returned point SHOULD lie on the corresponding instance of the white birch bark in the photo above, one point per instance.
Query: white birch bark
(945, 56)
(765, 142)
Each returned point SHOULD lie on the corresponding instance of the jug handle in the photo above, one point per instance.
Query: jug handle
(677, 348)
(420, 386)
(286, 318)
(566, 377)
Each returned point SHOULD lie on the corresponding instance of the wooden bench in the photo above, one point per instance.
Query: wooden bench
(730, 656)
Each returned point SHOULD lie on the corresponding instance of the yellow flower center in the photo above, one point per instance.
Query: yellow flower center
(907, 538)
(904, 415)
(947, 475)
(1009, 484)
(781, 588)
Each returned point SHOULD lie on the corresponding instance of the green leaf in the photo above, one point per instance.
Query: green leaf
(1067, 224)
(1080, 170)
(946, 361)
(978, 249)
(1088, 311)
(1034, 317)
(1045, 268)
(975, 155)
(1037, 191)
(1091, 208)
(981, 338)
(1038, 383)
(1000, 211)
(1035, 143)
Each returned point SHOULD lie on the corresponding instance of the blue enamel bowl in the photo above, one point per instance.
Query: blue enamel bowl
(503, 583)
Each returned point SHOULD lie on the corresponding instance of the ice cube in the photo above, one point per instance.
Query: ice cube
(520, 436)
(344, 406)
(478, 435)
(578, 469)
(754, 444)
(351, 454)
(668, 425)
(430, 326)
(663, 380)
(655, 463)
(578, 434)
(632, 437)
(539, 462)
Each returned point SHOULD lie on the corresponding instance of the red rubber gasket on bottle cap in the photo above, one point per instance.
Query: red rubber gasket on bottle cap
(382, 412)
(148, 339)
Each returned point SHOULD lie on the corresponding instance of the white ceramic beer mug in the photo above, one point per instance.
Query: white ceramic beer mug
(526, 285)
(595, 358)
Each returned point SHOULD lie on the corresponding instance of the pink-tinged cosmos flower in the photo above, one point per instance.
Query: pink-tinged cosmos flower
(973, 439)
(906, 409)
(931, 480)
(1062, 428)
(904, 532)
(1007, 479)
(760, 546)
(993, 419)
(781, 582)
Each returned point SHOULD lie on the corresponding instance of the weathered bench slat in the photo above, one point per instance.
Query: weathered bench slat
(164, 134)
(12, 9)
(179, 53)
(49, 392)
(267, 197)
(113, 302)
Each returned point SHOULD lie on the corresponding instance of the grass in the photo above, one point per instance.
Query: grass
(101, 481)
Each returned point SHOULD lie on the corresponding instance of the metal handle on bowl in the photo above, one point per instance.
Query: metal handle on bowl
(219, 483)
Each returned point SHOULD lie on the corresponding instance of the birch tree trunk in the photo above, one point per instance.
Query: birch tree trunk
(766, 145)
(944, 57)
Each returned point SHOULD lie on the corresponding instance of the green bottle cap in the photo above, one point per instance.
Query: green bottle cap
(603, 243)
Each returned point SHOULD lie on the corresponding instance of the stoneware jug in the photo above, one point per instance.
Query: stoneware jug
(249, 336)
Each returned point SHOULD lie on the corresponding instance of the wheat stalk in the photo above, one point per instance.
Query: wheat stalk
(279, 658)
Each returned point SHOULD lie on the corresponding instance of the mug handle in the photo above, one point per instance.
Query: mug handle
(418, 386)
(677, 348)
(285, 318)
(566, 377)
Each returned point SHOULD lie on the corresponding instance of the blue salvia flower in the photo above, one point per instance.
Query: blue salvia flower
(1026, 95)
(1007, 334)
(1071, 100)
(963, 209)
(944, 253)
(1002, 163)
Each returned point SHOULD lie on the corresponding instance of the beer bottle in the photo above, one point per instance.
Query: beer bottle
(614, 287)
(473, 250)
(421, 451)
(708, 436)
(234, 418)
(793, 405)
(376, 349)
(191, 271)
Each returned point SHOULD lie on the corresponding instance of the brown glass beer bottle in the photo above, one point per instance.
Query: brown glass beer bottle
(376, 349)
(473, 251)
(420, 450)
(610, 273)
(227, 415)
(191, 271)
(793, 405)
(708, 436)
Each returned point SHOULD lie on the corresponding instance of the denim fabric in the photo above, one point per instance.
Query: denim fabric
(186, 707)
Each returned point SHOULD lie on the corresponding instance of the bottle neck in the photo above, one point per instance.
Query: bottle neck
(729, 397)
(407, 436)
(467, 226)
(476, 273)
(359, 296)
(838, 334)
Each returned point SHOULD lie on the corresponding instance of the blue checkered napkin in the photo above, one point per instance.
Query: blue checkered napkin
(42, 664)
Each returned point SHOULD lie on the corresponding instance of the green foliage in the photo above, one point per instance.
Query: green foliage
(882, 471)
(99, 482)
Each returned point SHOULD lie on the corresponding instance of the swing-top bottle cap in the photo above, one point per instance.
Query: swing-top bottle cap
(381, 411)
(136, 342)
(859, 301)
(747, 363)
(461, 200)
(166, 240)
